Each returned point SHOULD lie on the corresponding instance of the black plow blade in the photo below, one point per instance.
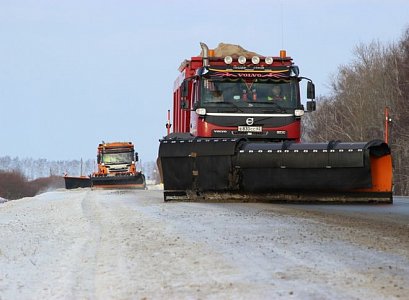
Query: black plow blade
(238, 170)
(119, 182)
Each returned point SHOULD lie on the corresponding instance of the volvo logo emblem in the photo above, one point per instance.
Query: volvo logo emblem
(250, 121)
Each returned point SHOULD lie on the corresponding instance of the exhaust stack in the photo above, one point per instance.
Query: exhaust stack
(205, 54)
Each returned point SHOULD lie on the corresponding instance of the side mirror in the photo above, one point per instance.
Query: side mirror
(311, 106)
(136, 156)
(310, 90)
(184, 92)
(184, 89)
(184, 104)
(98, 158)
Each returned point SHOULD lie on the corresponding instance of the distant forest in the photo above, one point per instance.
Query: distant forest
(38, 168)
(376, 78)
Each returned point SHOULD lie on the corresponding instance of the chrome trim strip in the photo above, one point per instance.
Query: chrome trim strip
(248, 115)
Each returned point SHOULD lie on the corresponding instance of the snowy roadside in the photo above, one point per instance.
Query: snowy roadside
(155, 187)
(87, 244)
(41, 237)
(131, 245)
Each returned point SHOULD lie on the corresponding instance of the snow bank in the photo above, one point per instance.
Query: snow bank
(155, 187)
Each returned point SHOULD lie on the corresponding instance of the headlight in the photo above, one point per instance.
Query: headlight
(242, 60)
(268, 60)
(255, 60)
(201, 111)
(298, 112)
(228, 60)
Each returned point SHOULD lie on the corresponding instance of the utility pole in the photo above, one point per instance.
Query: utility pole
(386, 126)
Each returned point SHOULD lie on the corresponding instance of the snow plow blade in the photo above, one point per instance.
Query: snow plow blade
(133, 181)
(239, 170)
(72, 182)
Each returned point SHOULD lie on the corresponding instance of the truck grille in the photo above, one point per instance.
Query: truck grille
(119, 168)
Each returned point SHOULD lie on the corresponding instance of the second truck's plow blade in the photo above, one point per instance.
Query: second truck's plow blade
(72, 182)
(224, 170)
(119, 182)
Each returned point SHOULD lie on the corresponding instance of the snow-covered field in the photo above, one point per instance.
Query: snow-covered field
(83, 244)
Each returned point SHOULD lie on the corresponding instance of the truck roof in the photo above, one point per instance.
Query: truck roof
(116, 145)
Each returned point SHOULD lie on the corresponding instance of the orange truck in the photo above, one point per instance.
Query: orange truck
(117, 167)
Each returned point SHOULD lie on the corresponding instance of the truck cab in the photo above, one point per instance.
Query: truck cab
(257, 98)
(115, 158)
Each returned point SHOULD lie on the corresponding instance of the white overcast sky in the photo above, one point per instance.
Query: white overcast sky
(76, 72)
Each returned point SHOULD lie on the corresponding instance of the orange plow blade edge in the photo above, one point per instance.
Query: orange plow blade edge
(381, 174)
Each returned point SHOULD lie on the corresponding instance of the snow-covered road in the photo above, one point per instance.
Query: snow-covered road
(83, 244)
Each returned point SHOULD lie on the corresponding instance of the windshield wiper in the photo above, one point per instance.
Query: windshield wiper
(277, 107)
(233, 104)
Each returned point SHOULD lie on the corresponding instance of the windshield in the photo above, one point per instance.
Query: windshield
(255, 93)
(117, 158)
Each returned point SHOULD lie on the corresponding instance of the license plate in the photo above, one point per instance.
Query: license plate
(250, 128)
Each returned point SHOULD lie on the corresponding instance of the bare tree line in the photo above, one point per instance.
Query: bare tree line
(13, 185)
(378, 77)
(32, 169)
(38, 168)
